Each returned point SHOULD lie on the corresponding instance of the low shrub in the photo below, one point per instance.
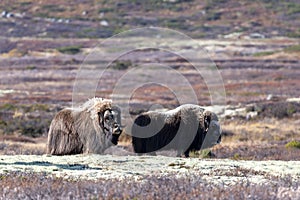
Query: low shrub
(278, 110)
(70, 49)
(293, 144)
(30, 120)
(291, 49)
(31, 67)
(264, 53)
(121, 65)
(204, 153)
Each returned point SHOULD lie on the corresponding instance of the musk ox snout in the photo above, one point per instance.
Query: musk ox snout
(117, 130)
(213, 135)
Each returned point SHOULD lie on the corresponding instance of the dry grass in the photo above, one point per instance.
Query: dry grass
(263, 139)
(20, 185)
(261, 130)
(14, 145)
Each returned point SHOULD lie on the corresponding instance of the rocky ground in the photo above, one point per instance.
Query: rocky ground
(107, 176)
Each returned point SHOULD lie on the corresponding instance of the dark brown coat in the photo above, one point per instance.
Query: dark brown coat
(186, 128)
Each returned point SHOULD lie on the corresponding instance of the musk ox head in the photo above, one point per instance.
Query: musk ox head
(108, 118)
(212, 129)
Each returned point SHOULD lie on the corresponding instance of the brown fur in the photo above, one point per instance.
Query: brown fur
(186, 128)
(82, 130)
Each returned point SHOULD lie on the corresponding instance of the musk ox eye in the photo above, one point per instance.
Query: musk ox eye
(108, 117)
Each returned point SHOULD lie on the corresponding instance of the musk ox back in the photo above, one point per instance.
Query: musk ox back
(90, 128)
(188, 127)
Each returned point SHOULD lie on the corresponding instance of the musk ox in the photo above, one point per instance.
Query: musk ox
(186, 128)
(91, 128)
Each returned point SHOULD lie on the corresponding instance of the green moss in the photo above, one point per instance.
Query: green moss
(291, 109)
(236, 156)
(293, 8)
(2, 177)
(105, 10)
(293, 34)
(264, 53)
(25, 3)
(204, 153)
(211, 4)
(69, 49)
(41, 15)
(250, 94)
(293, 144)
(53, 8)
(121, 65)
(30, 67)
(292, 49)
(8, 107)
(213, 16)
(38, 107)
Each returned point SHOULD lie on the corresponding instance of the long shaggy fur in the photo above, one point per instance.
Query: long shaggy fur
(188, 127)
(81, 130)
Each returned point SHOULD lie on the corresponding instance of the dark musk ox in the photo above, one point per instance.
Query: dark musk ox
(186, 128)
(91, 128)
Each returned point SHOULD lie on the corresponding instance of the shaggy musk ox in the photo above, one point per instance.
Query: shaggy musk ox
(91, 128)
(188, 127)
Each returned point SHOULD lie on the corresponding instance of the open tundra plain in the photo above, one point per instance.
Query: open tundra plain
(260, 118)
(254, 46)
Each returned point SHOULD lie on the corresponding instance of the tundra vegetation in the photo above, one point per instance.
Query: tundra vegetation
(255, 45)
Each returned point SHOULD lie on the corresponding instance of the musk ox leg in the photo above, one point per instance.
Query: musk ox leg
(187, 153)
(138, 145)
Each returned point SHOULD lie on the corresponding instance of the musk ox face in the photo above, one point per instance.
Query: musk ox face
(109, 125)
(213, 135)
(212, 130)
